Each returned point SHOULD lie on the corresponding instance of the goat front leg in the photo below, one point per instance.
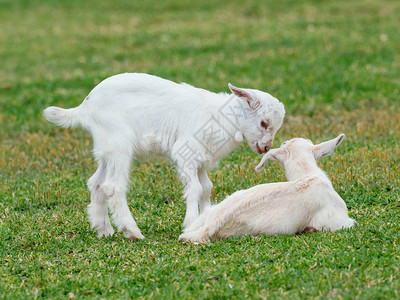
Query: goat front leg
(207, 188)
(192, 194)
(198, 231)
(189, 162)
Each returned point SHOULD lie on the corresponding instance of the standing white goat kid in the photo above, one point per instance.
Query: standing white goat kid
(306, 201)
(136, 115)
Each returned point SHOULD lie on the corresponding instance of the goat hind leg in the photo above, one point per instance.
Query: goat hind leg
(115, 187)
(97, 209)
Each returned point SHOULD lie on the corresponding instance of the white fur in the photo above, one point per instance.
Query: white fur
(307, 200)
(140, 116)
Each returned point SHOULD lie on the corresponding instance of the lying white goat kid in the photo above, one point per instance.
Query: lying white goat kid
(135, 115)
(307, 201)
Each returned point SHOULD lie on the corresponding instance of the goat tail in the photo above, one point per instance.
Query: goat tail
(71, 117)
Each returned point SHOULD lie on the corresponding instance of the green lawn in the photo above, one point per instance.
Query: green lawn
(334, 64)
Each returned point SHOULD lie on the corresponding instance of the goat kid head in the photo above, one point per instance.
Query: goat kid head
(264, 116)
(299, 153)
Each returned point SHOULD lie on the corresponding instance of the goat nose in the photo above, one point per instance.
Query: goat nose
(267, 148)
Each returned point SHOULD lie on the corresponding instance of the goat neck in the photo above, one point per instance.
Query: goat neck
(298, 166)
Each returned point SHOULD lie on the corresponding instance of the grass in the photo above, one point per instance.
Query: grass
(335, 65)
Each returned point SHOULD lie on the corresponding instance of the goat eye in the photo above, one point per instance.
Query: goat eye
(264, 124)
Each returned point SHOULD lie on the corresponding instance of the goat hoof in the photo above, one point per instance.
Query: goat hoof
(104, 231)
(309, 230)
(136, 237)
(133, 235)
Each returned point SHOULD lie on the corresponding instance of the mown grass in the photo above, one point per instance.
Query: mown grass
(335, 65)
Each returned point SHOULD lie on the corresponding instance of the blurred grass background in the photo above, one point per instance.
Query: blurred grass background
(334, 64)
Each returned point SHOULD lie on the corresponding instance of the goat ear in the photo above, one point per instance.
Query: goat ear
(326, 148)
(243, 94)
(271, 154)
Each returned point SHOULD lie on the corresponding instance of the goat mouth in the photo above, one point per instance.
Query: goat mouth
(258, 149)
